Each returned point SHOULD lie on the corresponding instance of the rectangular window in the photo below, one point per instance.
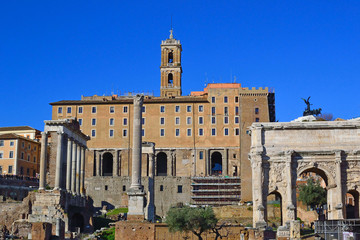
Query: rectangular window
(201, 108)
(257, 119)
(226, 132)
(80, 121)
(212, 99)
(162, 132)
(68, 110)
(112, 109)
(11, 154)
(22, 155)
(28, 171)
(1, 171)
(29, 146)
(236, 99)
(80, 110)
(28, 158)
(1, 155)
(111, 133)
(143, 109)
(237, 132)
(162, 121)
(125, 121)
(201, 120)
(10, 169)
(59, 110)
(226, 120)
(213, 120)
(93, 122)
(236, 120)
(213, 110)
(177, 109)
(93, 133)
(162, 109)
(256, 110)
(177, 132)
(34, 159)
(143, 132)
(93, 109)
(143, 121)
(188, 120)
(125, 109)
(225, 99)
(213, 132)
(111, 123)
(201, 155)
(1, 143)
(177, 121)
(22, 144)
(226, 111)
(188, 132)
(236, 110)
(201, 132)
(179, 190)
(125, 133)
(188, 108)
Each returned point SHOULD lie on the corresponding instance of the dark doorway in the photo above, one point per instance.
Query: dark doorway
(216, 163)
(352, 204)
(77, 221)
(161, 164)
(107, 164)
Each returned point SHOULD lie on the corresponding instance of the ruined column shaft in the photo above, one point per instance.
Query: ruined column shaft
(151, 165)
(73, 167)
(78, 166)
(116, 164)
(290, 208)
(42, 183)
(68, 164)
(137, 139)
(58, 161)
(82, 172)
(339, 188)
(98, 156)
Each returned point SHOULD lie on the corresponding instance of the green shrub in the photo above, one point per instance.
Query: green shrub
(117, 211)
(108, 234)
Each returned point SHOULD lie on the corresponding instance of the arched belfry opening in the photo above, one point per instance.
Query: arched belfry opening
(170, 79)
(161, 164)
(171, 57)
(216, 163)
(107, 164)
(352, 204)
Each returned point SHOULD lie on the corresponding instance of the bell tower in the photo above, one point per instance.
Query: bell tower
(170, 67)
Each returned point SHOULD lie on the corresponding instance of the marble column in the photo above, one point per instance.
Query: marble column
(225, 162)
(116, 164)
(257, 191)
(68, 164)
(73, 167)
(78, 166)
(82, 172)
(58, 161)
(339, 188)
(42, 181)
(98, 156)
(290, 208)
(151, 165)
(136, 192)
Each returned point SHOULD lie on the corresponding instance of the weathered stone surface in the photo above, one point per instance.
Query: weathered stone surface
(41, 231)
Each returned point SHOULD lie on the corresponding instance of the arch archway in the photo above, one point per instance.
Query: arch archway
(77, 221)
(107, 164)
(216, 163)
(170, 78)
(274, 209)
(161, 164)
(352, 204)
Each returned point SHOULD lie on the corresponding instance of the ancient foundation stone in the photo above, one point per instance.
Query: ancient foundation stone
(41, 231)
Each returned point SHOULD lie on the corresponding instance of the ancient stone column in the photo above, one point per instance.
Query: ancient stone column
(82, 172)
(225, 162)
(136, 193)
(78, 166)
(98, 156)
(58, 161)
(290, 208)
(151, 165)
(73, 167)
(137, 139)
(42, 183)
(339, 188)
(116, 164)
(68, 164)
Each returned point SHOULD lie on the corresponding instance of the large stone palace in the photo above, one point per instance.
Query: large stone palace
(201, 140)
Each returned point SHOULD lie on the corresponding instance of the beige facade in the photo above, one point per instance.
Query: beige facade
(24, 131)
(204, 134)
(19, 155)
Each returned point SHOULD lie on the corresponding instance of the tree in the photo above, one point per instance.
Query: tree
(188, 219)
(312, 194)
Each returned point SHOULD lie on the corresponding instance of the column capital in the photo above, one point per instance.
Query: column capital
(60, 132)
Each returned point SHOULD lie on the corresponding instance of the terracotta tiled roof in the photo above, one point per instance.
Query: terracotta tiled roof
(17, 128)
(15, 136)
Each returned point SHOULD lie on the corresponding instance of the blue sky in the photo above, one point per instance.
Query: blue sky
(60, 50)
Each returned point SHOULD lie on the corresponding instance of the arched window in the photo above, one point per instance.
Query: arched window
(216, 163)
(170, 78)
(161, 164)
(171, 57)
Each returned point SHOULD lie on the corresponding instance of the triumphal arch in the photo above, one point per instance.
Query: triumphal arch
(281, 152)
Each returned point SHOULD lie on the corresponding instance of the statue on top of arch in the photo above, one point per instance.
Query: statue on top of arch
(308, 111)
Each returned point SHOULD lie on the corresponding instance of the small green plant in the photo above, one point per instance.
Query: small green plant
(117, 211)
(108, 234)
